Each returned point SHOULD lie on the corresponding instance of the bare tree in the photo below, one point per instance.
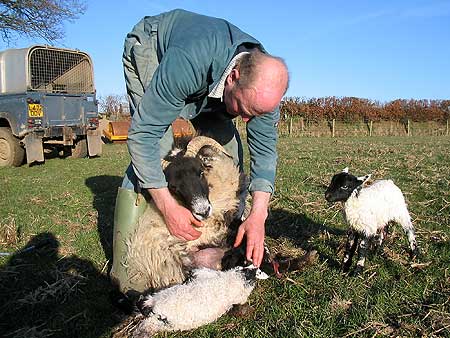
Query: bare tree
(37, 18)
(114, 106)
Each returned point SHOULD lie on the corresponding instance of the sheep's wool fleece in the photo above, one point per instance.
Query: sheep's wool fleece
(203, 299)
(374, 206)
(157, 257)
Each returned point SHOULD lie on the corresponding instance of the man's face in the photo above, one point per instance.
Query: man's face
(257, 100)
(237, 104)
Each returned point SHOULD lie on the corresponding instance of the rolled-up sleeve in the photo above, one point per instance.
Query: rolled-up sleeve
(173, 81)
(262, 140)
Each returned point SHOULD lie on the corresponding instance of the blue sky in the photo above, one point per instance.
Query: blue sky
(381, 50)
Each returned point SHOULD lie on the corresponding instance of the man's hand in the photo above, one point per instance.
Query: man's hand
(179, 221)
(253, 228)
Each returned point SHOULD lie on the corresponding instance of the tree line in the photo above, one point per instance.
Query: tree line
(352, 109)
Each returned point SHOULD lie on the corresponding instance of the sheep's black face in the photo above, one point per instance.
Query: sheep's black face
(341, 187)
(186, 181)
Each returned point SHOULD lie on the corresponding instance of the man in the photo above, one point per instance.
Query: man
(203, 69)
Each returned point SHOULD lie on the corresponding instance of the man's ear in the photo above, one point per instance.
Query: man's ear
(233, 76)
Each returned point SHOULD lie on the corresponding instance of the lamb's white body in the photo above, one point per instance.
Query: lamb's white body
(368, 210)
(201, 300)
(373, 207)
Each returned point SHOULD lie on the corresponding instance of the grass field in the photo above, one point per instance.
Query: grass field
(61, 290)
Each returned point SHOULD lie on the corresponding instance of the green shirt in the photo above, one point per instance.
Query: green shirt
(193, 51)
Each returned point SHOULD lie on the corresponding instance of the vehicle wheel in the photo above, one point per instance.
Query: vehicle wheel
(11, 152)
(80, 150)
(65, 151)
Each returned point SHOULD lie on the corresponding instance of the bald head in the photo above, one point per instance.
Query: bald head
(256, 85)
(263, 79)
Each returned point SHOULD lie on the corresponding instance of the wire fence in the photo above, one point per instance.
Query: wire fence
(60, 71)
(299, 127)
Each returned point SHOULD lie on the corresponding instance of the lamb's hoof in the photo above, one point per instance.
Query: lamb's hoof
(414, 254)
(358, 271)
(241, 310)
(345, 268)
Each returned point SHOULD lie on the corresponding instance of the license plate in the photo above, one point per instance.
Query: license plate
(35, 110)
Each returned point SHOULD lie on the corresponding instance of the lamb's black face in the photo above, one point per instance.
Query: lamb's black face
(186, 181)
(341, 187)
(250, 275)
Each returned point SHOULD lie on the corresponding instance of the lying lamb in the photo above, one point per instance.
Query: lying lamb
(368, 210)
(203, 298)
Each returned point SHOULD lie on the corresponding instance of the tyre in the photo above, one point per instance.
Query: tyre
(80, 150)
(11, 152)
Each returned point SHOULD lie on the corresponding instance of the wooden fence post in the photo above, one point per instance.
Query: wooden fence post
(408, 126)
(446, 130)
(290, 125)
(370, 128)
(332, 127)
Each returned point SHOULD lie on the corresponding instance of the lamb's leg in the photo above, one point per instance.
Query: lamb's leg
(407, 226)
(350, 247)
(378, 240)
(362, 253)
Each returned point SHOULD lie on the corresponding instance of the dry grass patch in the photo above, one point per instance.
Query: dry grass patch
(8, 232)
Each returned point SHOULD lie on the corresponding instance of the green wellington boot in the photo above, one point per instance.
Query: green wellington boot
(129, 207)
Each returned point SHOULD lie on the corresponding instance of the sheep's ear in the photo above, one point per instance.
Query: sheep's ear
(364, 179)
(207, 156)
(345, 170)
(261, 274)
(145, 305)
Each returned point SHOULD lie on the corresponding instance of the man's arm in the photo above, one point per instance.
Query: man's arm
(162, 102)
(262, 137)
(254, 227)
(262, 140)
(179, 220)
(176, 77)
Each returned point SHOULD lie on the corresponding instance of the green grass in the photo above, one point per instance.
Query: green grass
(62, 290)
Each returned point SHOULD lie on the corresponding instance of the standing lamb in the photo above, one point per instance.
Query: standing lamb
(368, 210)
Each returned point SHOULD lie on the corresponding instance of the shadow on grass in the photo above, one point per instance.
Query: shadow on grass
(104, 188)
(45, 294)
(300, 229)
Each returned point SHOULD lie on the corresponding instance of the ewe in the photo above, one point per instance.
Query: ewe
(367, 211)
(214, 192)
